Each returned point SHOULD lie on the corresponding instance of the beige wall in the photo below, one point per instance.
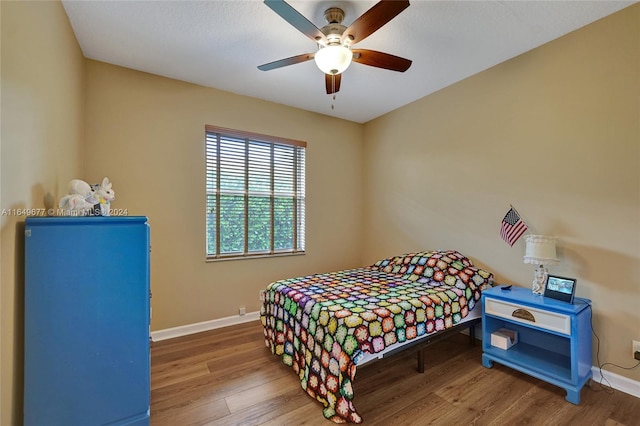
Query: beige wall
(146, 133)
(556, 133)
(41, 140)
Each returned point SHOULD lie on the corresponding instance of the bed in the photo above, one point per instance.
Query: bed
(326, 325)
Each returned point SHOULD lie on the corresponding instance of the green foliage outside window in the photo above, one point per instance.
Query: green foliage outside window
(259, 238)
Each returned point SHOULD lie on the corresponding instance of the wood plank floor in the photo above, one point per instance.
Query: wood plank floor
(229, 377)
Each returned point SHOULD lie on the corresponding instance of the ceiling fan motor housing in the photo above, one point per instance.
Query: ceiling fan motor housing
(334, 28)
(334, 15)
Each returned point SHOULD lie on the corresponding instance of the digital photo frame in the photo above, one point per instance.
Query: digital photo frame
(560, 288)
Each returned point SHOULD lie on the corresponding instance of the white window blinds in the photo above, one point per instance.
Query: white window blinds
(255, 194)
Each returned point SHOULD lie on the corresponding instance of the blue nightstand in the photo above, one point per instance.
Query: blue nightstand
(554, 338)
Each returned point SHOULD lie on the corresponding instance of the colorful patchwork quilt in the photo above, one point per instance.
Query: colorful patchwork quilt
(321, 325)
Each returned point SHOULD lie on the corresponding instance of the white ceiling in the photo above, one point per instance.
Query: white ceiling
(220, 44)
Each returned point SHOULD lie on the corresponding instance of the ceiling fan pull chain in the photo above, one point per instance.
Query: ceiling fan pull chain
(333, 89)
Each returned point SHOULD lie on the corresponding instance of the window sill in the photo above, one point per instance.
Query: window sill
(253, 256)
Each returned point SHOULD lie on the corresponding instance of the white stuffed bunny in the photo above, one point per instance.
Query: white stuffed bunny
(104, 194)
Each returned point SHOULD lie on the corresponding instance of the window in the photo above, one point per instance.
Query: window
(255, 194)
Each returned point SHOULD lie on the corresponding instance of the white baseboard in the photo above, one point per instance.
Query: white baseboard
(184, 330)
(614, 380)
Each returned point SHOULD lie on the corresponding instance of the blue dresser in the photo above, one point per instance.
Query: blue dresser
(87, 318)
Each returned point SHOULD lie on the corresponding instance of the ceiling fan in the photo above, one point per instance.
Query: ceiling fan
(335, 40)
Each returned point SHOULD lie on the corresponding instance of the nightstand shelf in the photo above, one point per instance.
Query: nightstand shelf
(554, 338)
(537, 360)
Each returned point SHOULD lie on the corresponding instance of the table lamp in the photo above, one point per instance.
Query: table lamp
(540, 250)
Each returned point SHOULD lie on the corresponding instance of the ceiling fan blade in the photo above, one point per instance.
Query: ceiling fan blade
(296, 19)
(332, 82)
(287, 61)
(381, 60)
(373, 19)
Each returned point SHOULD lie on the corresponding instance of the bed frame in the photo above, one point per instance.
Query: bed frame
(422, 344)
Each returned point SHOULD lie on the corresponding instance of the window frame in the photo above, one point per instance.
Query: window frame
(298, 196)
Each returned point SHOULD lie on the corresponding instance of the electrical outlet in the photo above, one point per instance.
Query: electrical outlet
(636, 347)
(242, 310)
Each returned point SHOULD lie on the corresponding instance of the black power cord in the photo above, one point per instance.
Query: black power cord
(607, 388)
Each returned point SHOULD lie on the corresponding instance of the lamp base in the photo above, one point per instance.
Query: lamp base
(539, 280)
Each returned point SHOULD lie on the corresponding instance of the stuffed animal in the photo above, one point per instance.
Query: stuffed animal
(84, 199)
(80, 200)
(104, 195)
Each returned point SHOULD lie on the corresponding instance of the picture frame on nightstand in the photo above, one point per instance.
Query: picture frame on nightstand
(560, 288)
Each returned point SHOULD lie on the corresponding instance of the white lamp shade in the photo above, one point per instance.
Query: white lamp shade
(333, 59)
(540, 250)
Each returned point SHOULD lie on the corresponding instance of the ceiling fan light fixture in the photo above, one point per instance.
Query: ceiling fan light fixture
(333, 59)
